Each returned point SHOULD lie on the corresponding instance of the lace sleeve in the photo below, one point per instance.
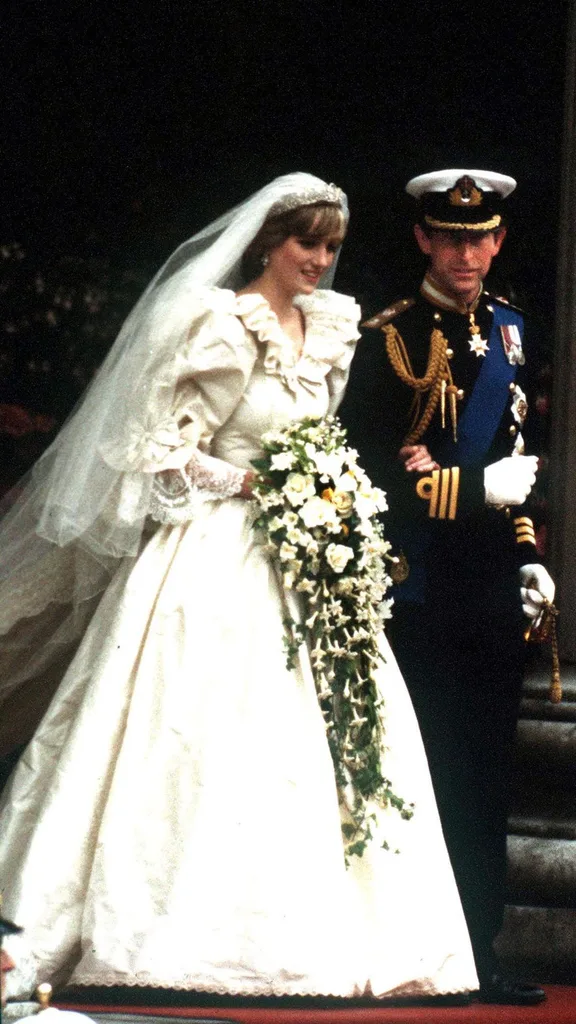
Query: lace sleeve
(177, 494)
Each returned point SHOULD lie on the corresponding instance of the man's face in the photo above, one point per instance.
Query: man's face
(6, 964)
(460, 260)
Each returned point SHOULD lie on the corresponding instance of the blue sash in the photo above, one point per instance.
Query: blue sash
(481, 418)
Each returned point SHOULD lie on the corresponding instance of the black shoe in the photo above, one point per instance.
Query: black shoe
(510, 993)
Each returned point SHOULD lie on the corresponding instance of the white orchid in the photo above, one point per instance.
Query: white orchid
(328, 464)
(282, 460)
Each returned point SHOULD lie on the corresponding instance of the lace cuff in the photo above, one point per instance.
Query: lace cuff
(178, 494)
(221, 478)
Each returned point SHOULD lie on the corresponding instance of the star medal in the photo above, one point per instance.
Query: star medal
(477, 343)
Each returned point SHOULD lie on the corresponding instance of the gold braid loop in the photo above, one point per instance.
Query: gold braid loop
(437, 379)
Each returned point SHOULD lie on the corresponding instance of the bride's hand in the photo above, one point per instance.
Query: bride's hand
(417, 458)
(246, 489)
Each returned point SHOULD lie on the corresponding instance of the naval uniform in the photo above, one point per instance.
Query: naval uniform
(457, 627)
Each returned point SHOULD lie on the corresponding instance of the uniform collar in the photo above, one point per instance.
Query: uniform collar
(434, 293)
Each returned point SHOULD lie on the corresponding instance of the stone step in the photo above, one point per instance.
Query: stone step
(542, 872)
(547, 748)
(539, 944)
(541, 809)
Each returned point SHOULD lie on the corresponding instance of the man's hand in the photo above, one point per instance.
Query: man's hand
(509, 481)
(417, 458)
(537, 586)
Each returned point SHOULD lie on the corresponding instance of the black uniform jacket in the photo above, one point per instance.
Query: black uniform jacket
(454, 543)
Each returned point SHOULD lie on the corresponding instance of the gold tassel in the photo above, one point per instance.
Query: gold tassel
(452, 396)
(544, 631)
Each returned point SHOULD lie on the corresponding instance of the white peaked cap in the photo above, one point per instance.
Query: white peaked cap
(441, 181)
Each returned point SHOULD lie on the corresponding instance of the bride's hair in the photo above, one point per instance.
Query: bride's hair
(318, 220)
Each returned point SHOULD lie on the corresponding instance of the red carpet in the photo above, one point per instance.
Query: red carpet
(559, 1008)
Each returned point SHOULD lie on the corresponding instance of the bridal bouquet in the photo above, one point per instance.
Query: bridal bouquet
(317, 512)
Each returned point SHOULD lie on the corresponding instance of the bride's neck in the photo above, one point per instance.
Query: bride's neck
(281, 302)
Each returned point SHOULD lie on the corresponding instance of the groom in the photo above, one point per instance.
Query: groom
(436, 406)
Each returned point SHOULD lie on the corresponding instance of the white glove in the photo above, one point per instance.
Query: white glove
(537, 586)
(509, 481)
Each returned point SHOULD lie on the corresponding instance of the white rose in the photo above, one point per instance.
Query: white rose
(343, 502)
(282, 460)
(299, 487)
(290, 519)
(317, 512)
(338, 556)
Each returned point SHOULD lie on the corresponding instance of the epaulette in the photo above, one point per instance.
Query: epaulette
(389, 313)
(503, 302)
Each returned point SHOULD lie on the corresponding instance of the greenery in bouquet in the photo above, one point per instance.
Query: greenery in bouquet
(317, 512)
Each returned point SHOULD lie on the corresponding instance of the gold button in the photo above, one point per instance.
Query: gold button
(437, 316)
(449, 353)
(460, 393)
(512, 385)
(513, 430)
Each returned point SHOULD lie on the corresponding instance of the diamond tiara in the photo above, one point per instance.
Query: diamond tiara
(328, 194)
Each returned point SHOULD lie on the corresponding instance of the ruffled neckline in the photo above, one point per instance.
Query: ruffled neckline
(331, 330)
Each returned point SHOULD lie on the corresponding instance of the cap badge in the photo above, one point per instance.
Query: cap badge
(465, 193)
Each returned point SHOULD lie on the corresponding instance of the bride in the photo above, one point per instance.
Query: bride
(175, 822)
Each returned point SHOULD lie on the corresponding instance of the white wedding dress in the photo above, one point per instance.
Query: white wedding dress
(174, 822)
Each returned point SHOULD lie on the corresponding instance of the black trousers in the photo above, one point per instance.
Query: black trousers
(464, 668)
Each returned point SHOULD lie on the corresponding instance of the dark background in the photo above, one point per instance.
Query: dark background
(125, 131)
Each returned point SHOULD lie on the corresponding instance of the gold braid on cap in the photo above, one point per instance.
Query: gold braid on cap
(445, 225)
(437, 381)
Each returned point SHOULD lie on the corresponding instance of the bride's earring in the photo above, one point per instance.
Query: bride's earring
(265, 259)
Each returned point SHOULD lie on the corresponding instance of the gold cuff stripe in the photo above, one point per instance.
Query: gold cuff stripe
(527, 535)
(441, 491)
(443, 225)
(524, 530)
(455, 471)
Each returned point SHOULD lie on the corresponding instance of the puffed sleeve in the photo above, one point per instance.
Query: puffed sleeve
(192, 396)
(210, 374)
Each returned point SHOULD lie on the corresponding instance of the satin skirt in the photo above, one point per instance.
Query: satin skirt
(174, 822)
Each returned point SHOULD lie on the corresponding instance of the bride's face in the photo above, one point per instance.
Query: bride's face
(299, 262)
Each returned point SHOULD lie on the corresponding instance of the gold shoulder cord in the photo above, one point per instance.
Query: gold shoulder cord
(437, 381)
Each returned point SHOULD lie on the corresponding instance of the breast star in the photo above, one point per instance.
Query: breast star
(478, 345)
